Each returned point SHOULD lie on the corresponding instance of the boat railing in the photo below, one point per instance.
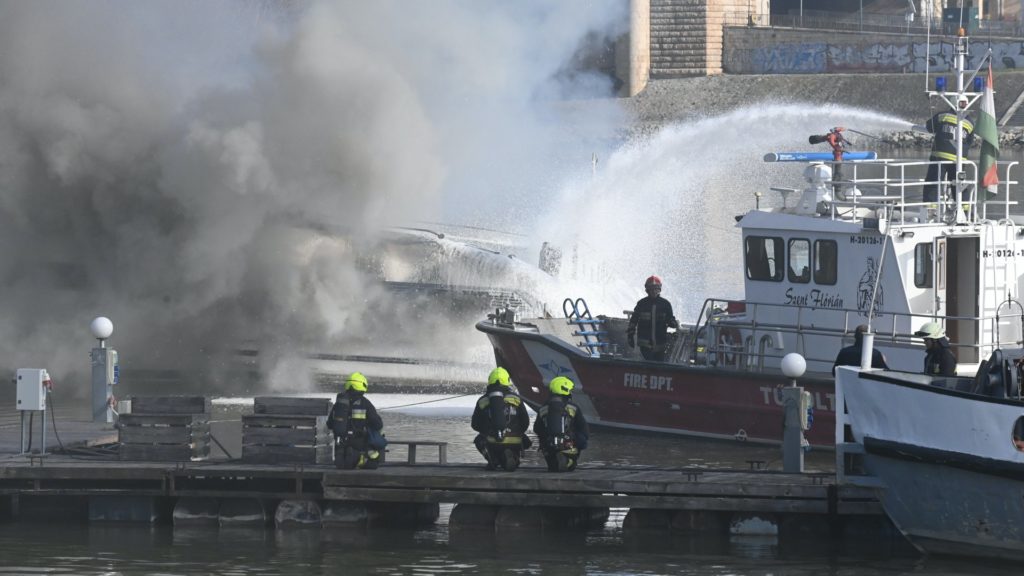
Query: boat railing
(747, 335)
(894, 190)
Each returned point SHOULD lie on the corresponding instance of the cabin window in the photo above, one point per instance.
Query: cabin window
(764, 258)
(826, 262)
(799, 260)
(923, 265)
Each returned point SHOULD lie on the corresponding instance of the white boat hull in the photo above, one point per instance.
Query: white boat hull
(952, 478)
(948, 510)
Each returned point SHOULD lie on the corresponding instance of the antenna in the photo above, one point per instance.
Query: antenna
(928, 49)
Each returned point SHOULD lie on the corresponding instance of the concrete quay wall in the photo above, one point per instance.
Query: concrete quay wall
(756, 50)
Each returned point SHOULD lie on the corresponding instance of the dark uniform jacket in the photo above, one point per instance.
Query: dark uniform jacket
(353, 416)
(650, 321)
(560, 414)
(500, 408)
(850, 356)
(943, 125)
(939, 360)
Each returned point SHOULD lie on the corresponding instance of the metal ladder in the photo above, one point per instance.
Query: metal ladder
(578, 313)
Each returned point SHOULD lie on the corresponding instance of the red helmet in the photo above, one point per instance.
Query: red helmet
(653, 281)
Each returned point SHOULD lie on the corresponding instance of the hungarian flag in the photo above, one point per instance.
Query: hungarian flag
(989, 134)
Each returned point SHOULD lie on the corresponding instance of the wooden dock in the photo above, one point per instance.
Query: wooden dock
(233, 492)
(101, 486)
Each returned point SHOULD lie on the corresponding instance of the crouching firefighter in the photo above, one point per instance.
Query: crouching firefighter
(561, 429)
(501, 419)
(358, 441)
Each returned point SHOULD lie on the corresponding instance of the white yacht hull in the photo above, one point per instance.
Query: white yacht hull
(952, 479)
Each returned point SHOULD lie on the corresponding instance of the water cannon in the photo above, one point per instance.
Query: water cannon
(834, 135)
(106, 372)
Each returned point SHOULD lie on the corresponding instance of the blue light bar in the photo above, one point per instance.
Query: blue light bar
(816, 156)
(940, 83)
(978, 83)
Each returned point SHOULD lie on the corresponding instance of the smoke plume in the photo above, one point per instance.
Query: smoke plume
(216, 175)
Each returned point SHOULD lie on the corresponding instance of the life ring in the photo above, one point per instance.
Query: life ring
(729, 341)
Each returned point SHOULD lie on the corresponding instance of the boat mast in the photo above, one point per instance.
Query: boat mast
(961, 111)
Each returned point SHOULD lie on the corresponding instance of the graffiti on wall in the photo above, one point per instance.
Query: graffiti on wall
(803, 58)
(821, 57)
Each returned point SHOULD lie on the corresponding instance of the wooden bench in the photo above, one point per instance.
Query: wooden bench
(280, 438)
(285, 429)
(442, 449)
(165, 428)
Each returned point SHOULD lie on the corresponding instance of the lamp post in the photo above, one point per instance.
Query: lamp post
(793, 366)
(105, 371)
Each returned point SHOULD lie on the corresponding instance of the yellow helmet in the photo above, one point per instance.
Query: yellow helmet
(561, 386)
(356, 381)
(499, 376)
(931, 330)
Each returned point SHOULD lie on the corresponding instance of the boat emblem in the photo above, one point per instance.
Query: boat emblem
(552, 369)
(865, 288)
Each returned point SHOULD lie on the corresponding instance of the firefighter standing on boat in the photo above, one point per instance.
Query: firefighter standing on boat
(649, 323)
(939, 360)
(357, 427)
(944, 126)
(501, 419)
(561, 429)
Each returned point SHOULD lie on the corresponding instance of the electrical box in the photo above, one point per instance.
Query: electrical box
(806, 410)
(31, 388)
(113, 369)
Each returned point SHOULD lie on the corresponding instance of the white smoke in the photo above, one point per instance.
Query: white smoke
(155, 158)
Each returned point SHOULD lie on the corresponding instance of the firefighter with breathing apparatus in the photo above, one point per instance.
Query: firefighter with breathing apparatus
(501, 419)
(357, 427)
(561, 429)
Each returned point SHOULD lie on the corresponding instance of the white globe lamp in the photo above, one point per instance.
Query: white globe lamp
(793, 366)
(102, 328)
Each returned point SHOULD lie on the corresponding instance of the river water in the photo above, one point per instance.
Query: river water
(35, 548)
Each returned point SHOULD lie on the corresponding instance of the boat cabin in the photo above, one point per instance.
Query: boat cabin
(867, 250)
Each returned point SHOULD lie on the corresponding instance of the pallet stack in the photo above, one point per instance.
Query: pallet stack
(165, 428)
(285, 430)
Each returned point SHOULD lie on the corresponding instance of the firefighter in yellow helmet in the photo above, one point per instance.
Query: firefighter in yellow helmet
(501, 419)
(359, 441)
(939, 360)
(561, 428)
(944, 125)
